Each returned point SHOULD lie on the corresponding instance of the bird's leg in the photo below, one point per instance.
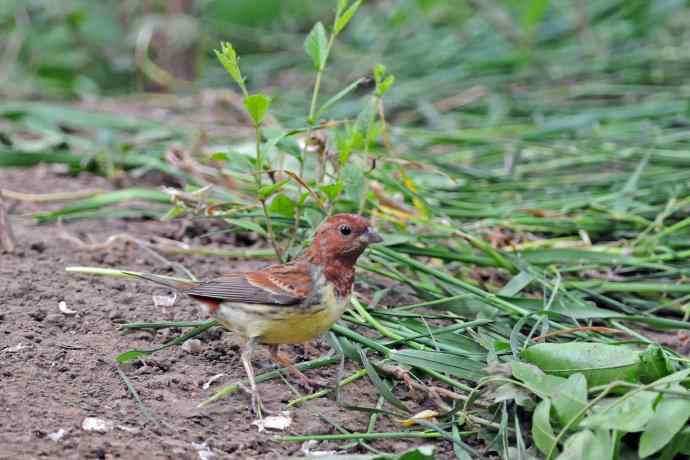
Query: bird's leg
(285, 362)
(247, 353)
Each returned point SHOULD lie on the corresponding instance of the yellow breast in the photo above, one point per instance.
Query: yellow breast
(285, 324)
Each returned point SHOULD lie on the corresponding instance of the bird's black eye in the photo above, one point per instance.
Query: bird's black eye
(345, 229)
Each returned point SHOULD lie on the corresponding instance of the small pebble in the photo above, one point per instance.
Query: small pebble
(97, 424)
(193, 346)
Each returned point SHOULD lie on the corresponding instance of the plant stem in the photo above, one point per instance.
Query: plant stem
(258, 180)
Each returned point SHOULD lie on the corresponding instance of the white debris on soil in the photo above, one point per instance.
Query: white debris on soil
(16, 348)
(204, 452)
(193, 346)
(97, 424)
(129, 429)
(211, 380)
(65, 310)
(274, 422)
(57, 435)
(307, 447)
(164, 300)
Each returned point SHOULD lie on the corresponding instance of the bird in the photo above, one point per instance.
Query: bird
(288, 303)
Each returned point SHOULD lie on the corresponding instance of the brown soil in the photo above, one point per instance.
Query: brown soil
(56, 369)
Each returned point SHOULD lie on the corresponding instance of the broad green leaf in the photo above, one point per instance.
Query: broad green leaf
(267, 190)
(570, 398)
(680, 444)
(586, 445)
(654, 364)
(629, 413)
(332, 190)
(670, 416)
(228, 57)
(542, 433)
(543, 384)
(512, 392)
(220, 156)
(600, 363)
(316, 46)
(344, 19)
(283, 205)
(257, 105)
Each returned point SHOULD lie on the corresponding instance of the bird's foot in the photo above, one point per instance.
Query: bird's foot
(258, 406)
(311, 384)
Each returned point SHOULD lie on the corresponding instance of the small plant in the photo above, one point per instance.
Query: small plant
(330, 154)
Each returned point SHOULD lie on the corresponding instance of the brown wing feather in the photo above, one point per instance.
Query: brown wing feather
(277, 285)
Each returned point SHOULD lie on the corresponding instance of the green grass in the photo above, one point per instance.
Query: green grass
(557, 201)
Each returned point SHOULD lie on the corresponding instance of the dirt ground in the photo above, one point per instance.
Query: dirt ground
(57, 369)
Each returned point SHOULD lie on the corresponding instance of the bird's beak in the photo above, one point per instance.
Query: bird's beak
(370, 236)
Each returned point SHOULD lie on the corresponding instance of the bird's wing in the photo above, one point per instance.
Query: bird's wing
(287, 284)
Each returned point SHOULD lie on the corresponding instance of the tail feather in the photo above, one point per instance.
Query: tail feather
(168, 281)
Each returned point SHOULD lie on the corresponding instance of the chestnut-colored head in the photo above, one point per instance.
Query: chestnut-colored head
(342, 238)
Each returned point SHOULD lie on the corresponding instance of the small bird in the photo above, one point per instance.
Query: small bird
(288, 303)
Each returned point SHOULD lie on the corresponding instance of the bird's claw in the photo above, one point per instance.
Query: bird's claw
(257, 404)
(312, 384)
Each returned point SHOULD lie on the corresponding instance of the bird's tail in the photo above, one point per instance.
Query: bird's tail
(168, 281)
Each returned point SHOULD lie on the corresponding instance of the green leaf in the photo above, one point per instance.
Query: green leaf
(458, 366)
(106, 199)
(516, 284)
(342, 4)
(332, 190)
(341, 94)
(131, 356)
(228, 57)
(654, 364)
(248, 225)
(385, 85)
(379, 71)
(267, 190)
(283, 205)
(534, 12)
(344, 19)
(379, 384)
(316, 46)
(570, 398)
(629, 413)
(353, 183)
(586, 445)
(670, 416)
(220, 156)
(600, 363)
(539, 382)
(257, 105)
(542, 433)
(680, 444)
